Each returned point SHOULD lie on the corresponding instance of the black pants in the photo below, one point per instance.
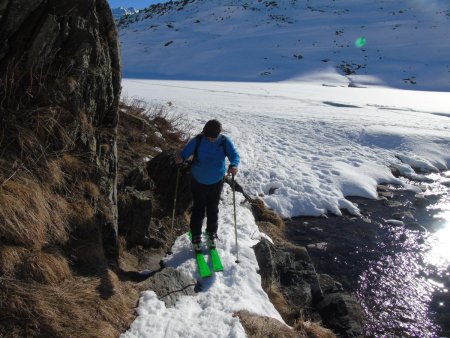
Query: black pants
(206, 199)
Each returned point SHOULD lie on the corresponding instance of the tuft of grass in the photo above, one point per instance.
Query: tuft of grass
(46, 268)
(312, 330)
(31, 215)
(279, 301)
(91, 190)
(260, 326)
(70, 309)
(10, 259)
(71, 164)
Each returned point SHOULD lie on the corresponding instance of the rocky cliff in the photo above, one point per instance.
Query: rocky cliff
(59, 95)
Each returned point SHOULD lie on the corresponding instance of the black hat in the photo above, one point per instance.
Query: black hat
(212, 128)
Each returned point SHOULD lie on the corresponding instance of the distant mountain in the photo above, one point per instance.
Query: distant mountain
(121, 11)
(398, 43)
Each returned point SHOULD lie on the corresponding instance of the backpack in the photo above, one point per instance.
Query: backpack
(199, 138)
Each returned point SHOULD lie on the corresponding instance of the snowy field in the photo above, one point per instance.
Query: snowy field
(313, 144)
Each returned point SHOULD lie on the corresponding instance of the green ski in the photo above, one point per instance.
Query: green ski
(203, 267)
(215, 259)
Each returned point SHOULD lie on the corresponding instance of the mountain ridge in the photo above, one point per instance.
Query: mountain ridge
(265, 41)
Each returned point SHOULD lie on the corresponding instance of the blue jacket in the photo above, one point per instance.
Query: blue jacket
(209, 168)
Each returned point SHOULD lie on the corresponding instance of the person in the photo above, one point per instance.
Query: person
(208, 151)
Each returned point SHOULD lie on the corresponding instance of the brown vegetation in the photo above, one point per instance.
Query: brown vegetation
(260, 326)
(55, 278)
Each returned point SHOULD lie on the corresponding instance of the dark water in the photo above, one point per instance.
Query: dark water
(399, 272)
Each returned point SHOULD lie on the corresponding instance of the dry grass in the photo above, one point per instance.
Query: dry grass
(144, 131)
(10, 259)
(279, 301)
(263, 214)
(260, 326)
(46, 268)
(312, 330)
(71, 309)
(54, 276)
(32, 215)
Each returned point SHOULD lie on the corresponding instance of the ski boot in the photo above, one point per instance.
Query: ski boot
(197, 244)
(211, 240)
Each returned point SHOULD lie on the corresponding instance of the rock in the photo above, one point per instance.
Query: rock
(446, 183)
(318, 246)
(383, 188)
(403, 215)
(386, 194)
(421, 201)
(170, 284)
(138, 179)
(342, 314)
(163, 171)
(328, 284)
(64, 55)
(294, 272)
(135, 219)
(267, 257)
(392, 204)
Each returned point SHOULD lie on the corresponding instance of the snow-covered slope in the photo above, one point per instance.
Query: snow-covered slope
(407, 41)
(119, 12)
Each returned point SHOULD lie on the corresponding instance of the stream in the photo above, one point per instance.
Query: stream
(395, 258)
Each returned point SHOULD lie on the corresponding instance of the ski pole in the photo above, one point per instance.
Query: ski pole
(174, 203)
(235, 226)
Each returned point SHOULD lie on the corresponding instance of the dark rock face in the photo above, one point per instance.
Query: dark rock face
(163, 171)
(295, 273)
(63, 55)
(308, 293)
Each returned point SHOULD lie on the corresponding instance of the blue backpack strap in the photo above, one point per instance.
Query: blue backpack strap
(223, 144)
(198, 139)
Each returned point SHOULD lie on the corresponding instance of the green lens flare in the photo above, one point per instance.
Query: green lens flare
(360, 42)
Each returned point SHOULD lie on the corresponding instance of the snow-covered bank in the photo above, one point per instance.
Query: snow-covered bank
(210, 312)
(311, 144)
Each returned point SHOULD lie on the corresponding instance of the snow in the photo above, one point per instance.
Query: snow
(210, 312)
(308, 134)
(311, 144)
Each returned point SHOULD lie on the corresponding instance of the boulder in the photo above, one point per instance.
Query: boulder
(341, 313)
(170, 284)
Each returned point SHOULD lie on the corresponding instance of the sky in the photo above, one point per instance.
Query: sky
(138, 4)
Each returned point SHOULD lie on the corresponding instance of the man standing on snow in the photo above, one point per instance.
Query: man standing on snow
(208, 151)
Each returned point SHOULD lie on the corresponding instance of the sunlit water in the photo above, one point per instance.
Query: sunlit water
(400, 274)
(397, 291)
